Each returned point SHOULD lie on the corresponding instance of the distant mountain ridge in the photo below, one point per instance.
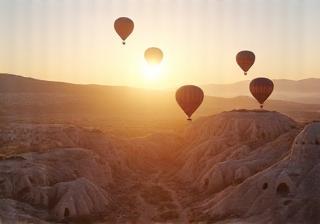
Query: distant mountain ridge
(27, 98)
(16, 83)
(302, 91)
(292, 90)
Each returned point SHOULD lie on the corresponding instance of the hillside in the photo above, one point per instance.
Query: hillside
(123, 111)
(301, 91)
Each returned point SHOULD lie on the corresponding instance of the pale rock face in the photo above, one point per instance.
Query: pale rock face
(12, 212)
(310, 135)
(240, 167)
(242, 173)
(66, 164)
(241, 126)
(230, 147)
(261, 193)
(307, 144)
(78, 199)
(41, 179)
(52, 167)
(46, 169)
(287, 192)
(20, 176)
(20, 138)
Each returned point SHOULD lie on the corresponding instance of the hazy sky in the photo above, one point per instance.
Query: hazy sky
(74, 40)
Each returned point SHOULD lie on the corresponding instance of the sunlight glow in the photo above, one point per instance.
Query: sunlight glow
(152, 72)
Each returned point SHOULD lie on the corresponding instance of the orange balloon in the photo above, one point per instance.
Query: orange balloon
(261, 89)
(153, 56)
(189, 99)
(245, 60)
(124, 27)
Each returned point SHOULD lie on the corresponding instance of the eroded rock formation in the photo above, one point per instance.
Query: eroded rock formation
(234, 167)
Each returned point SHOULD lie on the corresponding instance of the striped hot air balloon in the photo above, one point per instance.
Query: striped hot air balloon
(261, 89)
(189, 98)
(245, 60)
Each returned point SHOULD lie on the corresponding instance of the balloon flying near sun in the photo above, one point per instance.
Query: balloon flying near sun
(153, 57)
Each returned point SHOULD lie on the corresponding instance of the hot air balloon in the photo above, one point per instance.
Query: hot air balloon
(261, 89)
(153, 56)
(124, 27)
(189, 98)
(245, 60)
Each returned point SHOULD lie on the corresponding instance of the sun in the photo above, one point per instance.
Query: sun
(152, 71)
(153, 75)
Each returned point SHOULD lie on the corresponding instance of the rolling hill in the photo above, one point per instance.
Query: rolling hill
(124, 110)
(301, 91)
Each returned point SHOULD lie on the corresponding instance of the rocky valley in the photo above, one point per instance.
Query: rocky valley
(243, 166)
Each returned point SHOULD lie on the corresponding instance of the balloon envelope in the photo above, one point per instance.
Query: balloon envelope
(153, 56)
(245, 60)
(261, 89)
(189, 98)
(124, 27)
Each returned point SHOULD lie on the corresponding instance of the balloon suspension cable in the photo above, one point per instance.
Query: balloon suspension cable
(123, 42)
(189, 119)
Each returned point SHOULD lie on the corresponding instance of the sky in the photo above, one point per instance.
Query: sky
(75, 41)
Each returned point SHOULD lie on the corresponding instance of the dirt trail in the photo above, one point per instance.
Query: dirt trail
(180, 209)
(159, 202)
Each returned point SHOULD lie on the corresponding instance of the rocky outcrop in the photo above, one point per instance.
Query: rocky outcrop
(241, 126)
(307, 144)
(287, 192)
(19, 174)
(53, 173)
(236, 167)
(227, 148)
(78, 199)
(12, 212)
(69, 178)
(20, 138)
